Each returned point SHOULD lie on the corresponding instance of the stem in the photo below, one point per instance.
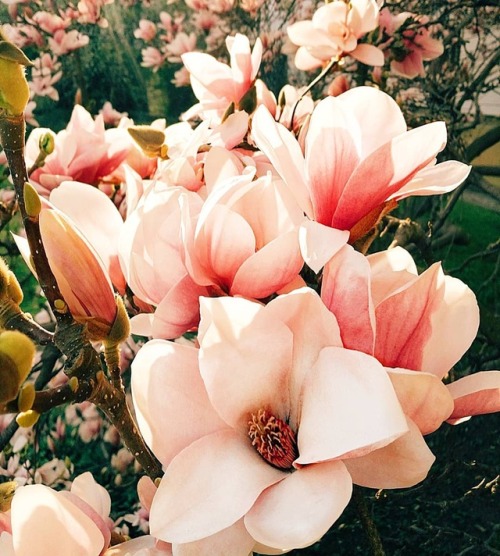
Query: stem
(367, 522)
(114, 404)
(332, 63)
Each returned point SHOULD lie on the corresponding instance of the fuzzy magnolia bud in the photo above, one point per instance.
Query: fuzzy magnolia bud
(26, 397)
(7, 491)
(16, 359)
(14, 90)
(28, 418)
(150, 140)
(9, 286)
(120, 330)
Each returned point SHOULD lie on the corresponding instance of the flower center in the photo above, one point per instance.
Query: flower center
(273, 439)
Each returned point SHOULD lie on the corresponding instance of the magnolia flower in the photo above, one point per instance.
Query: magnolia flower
(152, 58)
(417, 43)
(259, 429)
(334, 32)
(217, 85)
(62, 42)
(44, 522)
(146, 30)
(83, 152)
(359, 159)
(423, 324)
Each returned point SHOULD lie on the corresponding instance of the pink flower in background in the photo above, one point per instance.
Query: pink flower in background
(325, 407)
(181, 44)
(62, 42)
(82, 152)
(359, 157)
(50, 23)
(23, 35)
(334, 32)
(152, 58)
(110, 115)
(410, 45)
(146, 30)
(217, 85)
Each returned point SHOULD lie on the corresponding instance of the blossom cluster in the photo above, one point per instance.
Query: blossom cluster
(281, 364)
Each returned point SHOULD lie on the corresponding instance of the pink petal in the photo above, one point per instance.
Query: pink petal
(299, 510)
(179, 310)
(211, 74)
(454, 324)
(220, 164)
(45, 523)
(401, 464)
(396, 163)
(345, 290)
(428, 325)
(170, 399)
(368, 54)
(239, 378)
(145, 546)
(208, 487)
(319, 243)
(85, 487)
(349, 408)
(332, 154)
(233, 541)
(270, 268)
(313, 328)
(282, 149)
(475, 394)
(305, 61)
(377, 114)
(423, 397)
(441, 178)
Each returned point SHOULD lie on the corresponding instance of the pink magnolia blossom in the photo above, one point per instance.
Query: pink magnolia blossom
(44, 522)
(89, 11)
(62, 42)
(181, 44)
(110, 115)
(50, 22)
(422, 324)
(206, 415)
(146, 30)
(417, 43)
(245, 239)
(334, 32)
(83, 152)
(152, 258)
(359, 159)
(23, 35)
(217, 85)
(152, 58)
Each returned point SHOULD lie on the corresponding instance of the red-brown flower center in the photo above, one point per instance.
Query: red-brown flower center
(273, 439)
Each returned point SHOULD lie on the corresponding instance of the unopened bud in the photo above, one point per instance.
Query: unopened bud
(14, 90)
(26, 397)
(7, 491)
(47, 143)
(32, 201)
(16, 359)
(9, 286)
(73, 383)
(28, 418)
(150, 140)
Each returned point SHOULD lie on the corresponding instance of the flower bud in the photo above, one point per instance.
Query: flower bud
(28, 418)
(120, 330)
(32, 200)
(14, 90)
(16, 359)
(9, 286)
(47, 143)
(150, 140)
(7, 491)
(26, 397)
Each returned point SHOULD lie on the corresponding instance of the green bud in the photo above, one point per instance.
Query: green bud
(47, 143)
(32, 200)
